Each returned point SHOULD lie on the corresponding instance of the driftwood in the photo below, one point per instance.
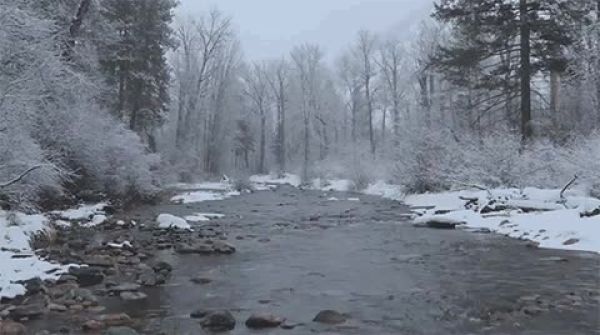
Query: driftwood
(562, 192)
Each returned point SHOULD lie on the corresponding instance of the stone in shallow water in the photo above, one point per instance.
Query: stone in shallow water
(259, 321)
(571, 241)
(223, 247)
(133, 296)
(219, 321)
(125, 287)
(27, 311)
(330, 317)
(120, 331)
(12, 328)
(115, 320)
(87, 276)
(201, 280)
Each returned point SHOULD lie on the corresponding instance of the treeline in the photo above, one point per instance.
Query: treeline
(474, 74)
(115, 96)
(83, 86)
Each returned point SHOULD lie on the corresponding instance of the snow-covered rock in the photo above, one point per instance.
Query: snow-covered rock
(201, 196)
(168, 221)
(16, 230)
(286, 179)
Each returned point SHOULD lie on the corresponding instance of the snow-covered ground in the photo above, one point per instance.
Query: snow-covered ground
(17, 259)
(274, 180)
(537, 215)
(207, 191)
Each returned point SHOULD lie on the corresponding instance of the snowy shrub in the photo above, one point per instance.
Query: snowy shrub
(107, 157)
(18, 153)
(355, 163)
(428, 161)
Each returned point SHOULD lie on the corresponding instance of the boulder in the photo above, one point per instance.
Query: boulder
(330, 317)
(133, 296)
(87, 276)
(120, 331)
(12, 328)
(260, 321)
(219, 321)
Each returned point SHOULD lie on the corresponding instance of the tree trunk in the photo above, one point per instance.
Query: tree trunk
(370, 111)
(263, 141)
(306, 148)
(555, 95)
(75, 27)
(383, 120)
(282, 151)
(525, 34)
(424, 98)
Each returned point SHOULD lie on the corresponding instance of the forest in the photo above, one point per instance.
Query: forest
(440, 177)
(118, 97)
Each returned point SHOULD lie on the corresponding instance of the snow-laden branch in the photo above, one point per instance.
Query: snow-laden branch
(23, 175)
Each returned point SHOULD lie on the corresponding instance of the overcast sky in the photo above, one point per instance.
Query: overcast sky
(270, 28)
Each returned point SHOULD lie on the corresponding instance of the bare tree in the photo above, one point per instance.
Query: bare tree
(352, 83)
(365, 51)
(391, 65)
(257, 89)
(205, 40)
(307, 60)
(278, 81)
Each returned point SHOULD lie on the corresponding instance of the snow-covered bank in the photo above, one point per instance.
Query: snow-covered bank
(542, 216)
(274, 180)
(17, 259)
(206, 191)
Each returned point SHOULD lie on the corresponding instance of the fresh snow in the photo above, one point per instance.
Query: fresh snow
(208, 186)
(124, 244)
(168, 221)
(549, 221)
(332, 185)
(201, 196)
(81, 213)
(384, 190)
(16, 230)
(200, 217)
(286, 179)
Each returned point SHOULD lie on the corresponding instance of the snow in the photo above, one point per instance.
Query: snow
(286, 179)
(385, 190)
(81, 213)
(16, 230)
(549, 221)
(208, 186)
(196, 218)
(168, 221)
(201, 196)
(332, 185)
(200, 217)
(124, 244)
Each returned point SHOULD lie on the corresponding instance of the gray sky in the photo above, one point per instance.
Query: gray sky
(270, 28)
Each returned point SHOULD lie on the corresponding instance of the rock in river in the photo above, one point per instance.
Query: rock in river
(330, 317)
(133, 296)
(219, 321)
(259, 321)
(12, 328)
(120, 331)
(87, 276)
